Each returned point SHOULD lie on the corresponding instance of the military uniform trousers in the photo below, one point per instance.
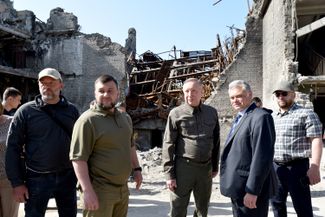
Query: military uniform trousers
(193, 177)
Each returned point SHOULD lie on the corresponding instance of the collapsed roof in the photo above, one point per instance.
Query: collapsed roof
(156, 84)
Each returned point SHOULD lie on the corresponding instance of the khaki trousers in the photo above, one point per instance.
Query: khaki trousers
(8, 207)
(113, 202)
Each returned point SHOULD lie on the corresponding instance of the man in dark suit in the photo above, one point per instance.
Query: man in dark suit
(246, 172)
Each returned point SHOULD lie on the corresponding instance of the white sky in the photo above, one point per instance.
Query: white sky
(160, 24)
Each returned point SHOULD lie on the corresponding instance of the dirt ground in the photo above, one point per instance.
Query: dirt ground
(153, 198)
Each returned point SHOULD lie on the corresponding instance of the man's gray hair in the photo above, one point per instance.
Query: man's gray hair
(198, 81)
(241, 84)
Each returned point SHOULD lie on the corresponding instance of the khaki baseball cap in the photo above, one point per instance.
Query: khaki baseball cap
(284, 86)
(50, 72)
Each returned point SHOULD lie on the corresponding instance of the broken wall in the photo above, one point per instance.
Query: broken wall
(97, 61)
(60, 20)
(278, 47)
(65, 54)
(284, 55)
(19, 20)
(246, 66)
(6, 10)
(80, 58)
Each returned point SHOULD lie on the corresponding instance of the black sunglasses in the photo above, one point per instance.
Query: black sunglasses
(277, 94)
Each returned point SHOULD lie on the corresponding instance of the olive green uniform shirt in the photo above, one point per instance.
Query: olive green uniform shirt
(103, 140)
(191, 133)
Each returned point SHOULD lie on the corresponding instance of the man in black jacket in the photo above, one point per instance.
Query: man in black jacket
(246, 171)
(41, 131)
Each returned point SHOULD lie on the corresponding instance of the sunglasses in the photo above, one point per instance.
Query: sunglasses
(277, 94)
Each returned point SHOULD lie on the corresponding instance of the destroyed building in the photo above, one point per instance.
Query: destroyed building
(282, 40)
(28, 45)
(156, 85)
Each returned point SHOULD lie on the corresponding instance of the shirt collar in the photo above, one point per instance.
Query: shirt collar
(293, 107)
(193, 110)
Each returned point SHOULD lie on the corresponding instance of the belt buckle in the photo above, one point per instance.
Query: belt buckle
(281, 163)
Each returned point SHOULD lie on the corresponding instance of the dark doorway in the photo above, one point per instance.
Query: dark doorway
(156, 138)
(28, 86)
(319, 105)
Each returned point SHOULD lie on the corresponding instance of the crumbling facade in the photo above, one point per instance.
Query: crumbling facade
(283, 40)
(28, 45)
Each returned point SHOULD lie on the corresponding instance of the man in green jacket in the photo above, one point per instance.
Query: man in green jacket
(103, 154)
(191, 151)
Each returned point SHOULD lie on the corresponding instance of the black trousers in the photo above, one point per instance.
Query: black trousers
(42, 187)
(240, 210)
(292, 179)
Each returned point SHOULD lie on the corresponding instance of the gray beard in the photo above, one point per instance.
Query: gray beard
(47, 97)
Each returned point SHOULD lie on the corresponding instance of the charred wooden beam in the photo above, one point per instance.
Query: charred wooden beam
(176, 67)
(145, 71)
(143, 82)
(191, 74)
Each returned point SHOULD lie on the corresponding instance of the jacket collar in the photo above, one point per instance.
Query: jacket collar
(96, 108)
(251, 108)
(40, 103)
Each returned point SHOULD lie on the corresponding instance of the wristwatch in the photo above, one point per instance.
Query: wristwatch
(137, 169)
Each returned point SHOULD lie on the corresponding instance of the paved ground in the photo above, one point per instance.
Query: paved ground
(153, 199)
(150, 203)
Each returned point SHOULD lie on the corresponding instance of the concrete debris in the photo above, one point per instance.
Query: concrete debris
(16, 21)
(100, 40)
(151, 160)
(61, 21)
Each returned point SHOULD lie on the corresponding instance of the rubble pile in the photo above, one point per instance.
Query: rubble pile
(151, 161)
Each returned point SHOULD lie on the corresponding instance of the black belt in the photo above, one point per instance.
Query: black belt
(292, 162)
(189, 160)
(59, 172)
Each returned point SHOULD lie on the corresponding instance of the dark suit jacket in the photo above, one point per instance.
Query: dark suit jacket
(246, 161)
